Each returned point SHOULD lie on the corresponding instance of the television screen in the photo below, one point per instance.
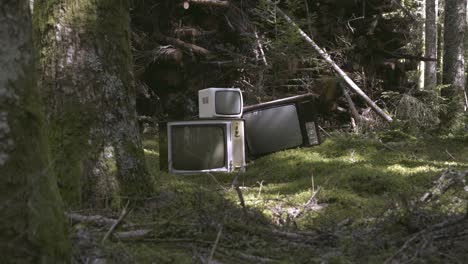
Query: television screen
(198, 147)
(228, 102)
(272, 129)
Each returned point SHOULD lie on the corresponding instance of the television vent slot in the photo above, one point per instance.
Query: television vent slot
(312, 133)
(205, 100)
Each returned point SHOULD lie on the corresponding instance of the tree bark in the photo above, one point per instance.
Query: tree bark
(32, 226)
(88, 85)
(430, 71)
(440, 43)
(454, 64)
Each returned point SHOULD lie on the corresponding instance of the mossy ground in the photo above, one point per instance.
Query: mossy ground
(361, 181)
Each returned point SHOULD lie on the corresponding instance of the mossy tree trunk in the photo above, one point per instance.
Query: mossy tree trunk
(88, 85)
(32, 224)
(454, 64)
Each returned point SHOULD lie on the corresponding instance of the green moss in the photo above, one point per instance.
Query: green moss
(359, 180)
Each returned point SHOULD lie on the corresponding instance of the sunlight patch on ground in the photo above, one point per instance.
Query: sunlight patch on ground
(407, 171)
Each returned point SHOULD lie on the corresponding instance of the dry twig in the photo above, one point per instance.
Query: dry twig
(124, 213)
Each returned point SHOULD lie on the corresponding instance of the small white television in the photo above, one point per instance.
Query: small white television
(204, 146)
(220, 103)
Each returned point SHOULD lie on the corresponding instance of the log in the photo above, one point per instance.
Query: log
(186, 32)
(213, 3)
(167, 54)
(96, 220)
(179, 43)
(338, 70)
(133, 235)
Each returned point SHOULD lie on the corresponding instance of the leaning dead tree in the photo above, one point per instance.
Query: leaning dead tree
(337, 69)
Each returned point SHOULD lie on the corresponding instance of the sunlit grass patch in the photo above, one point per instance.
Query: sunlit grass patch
(359, 180)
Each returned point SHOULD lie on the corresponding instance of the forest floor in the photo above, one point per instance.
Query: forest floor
(351, 199)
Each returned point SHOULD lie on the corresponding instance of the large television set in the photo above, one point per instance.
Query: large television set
(220, 103)
(280, 125)
(190, 147)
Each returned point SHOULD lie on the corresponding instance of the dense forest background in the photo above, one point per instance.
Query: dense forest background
(83, 85)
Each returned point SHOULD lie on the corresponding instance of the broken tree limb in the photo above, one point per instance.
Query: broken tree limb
(181, 44)
(338, 70)
(124, 213)
(352, 108)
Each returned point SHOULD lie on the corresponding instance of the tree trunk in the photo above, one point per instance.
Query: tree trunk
(454, 64)
(88, 85)
(32, 224)
(430, 71)
(440, 44)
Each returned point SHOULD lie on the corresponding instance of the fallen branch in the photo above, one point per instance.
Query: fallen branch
(260, 48)
(133, 235)
(421, 233)
(246, 257)
(445, 181)
(117, 223)
(254, 258)
(179, 43)
(213, 249)
(450, 155)
(186, 32)
(175, 240)
(96, 220)
(406, 11)
(352, 108)
(338, 70)
(466, 101)
(235, 184)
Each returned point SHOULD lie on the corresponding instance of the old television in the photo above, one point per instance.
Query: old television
(190, 147)
(279, 125)
(220, 103)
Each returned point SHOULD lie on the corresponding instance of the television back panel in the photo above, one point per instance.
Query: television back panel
(273, 129)
(276, 127)
(220, 103)
(307, 115)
